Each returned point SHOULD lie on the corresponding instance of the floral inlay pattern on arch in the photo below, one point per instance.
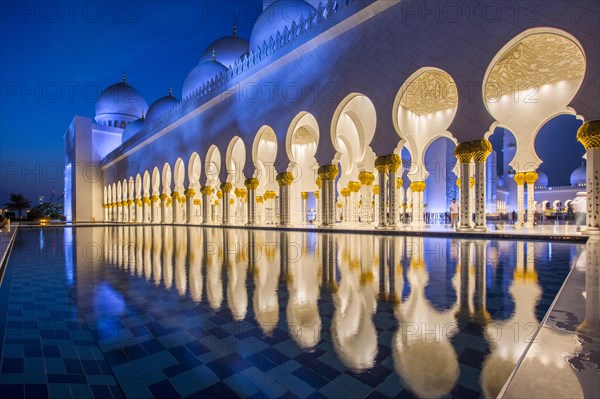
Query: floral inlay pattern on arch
(534, 61)
(302, 136)
(430, 92)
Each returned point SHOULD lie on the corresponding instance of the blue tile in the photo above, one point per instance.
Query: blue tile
(12, 365)
(36, 391)
(72, 366)
(163, 389)
(67, 379)
(51, 350)
(12, 390)
(240, 386)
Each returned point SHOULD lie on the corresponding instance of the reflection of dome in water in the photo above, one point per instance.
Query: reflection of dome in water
(578, 177)
(275, 18)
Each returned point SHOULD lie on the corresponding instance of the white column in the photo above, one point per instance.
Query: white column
(206, 215)
(226, 189)
(520, 180)
(366, 179)
(464, 157)
(163, 207)
(328, 173)
(589, 135)
(394, 164)
(304, 196)
(284, 180)
(382, 169)
(530, 178)
(251, 185)
(318, 205)
(155, 208)
(480, 183)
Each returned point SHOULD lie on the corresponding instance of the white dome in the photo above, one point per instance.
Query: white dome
(119, 103)
(203, 73)
(578, 176)
(133, 128)
(227, 50)
(542, 179)
(275, 18)
(160, 106)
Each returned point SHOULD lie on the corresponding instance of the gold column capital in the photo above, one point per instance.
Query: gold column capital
(354, 186)
(284, 178)
(226, 187)
(206, 190)
(519, 178)
(366, 178)
(463, 152)
(251, 183)
(589, 134)
(381, 164)
(481, 149)
(304, 195)
(328, 172)
(531, 177)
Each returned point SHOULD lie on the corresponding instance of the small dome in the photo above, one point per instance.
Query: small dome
(160, 106)
(133, 128)
(276, 17)
(203, 73)
(578, 176)
(542, 179)
(227, 50)
(119, 103)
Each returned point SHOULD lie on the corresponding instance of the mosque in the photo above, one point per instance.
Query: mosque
(351, 112)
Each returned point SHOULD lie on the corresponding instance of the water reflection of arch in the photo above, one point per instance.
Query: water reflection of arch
(424, 358)
(181, 246)
(236, 267)
(212, 249)
(353, 331)
(304, 321)
(167, 256)
(195, 263)
(266, 270)
(505, 349)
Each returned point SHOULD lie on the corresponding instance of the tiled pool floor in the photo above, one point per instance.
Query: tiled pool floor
(131, 311)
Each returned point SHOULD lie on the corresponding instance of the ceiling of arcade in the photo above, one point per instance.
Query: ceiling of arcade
(536, 60)
(430, 92)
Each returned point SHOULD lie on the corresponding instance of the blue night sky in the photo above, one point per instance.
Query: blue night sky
(56, 57)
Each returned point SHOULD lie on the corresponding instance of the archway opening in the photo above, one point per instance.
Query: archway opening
(352, 130)
(301, 146)
(533, 78)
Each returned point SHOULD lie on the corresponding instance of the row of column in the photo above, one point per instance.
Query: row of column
(358, 197)
(472, 156)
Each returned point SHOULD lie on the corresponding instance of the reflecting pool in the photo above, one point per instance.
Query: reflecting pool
(161, 311)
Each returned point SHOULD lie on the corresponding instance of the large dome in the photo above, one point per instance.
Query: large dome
(119, 104)
(203, 73)
(133, 128)
(227, 50)
(276, 17)
(160, 106)
(542, 179)
(578, 177)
